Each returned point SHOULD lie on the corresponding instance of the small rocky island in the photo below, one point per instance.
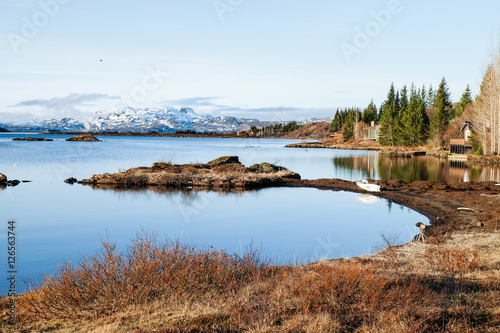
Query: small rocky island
(88, 138)
(4, 182)
(30, 138)
(224, 173)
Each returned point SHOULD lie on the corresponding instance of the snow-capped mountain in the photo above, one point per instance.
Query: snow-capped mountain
(127, 119)
(314, 120)
(59, 125)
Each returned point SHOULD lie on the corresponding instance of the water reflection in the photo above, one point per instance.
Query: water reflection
(378, 166)
(368, 198)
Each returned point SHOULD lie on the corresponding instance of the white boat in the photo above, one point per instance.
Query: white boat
(368, 187)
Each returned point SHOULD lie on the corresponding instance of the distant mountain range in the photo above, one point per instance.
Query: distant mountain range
(136, 120)
(3, 130)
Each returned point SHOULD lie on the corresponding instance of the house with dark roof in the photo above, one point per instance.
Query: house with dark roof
(462, 146)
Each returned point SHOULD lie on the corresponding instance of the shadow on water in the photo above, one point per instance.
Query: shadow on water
(379, 166)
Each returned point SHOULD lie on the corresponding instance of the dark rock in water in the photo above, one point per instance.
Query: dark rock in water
(71, 180)
(30, 138)
(13, 183)
(27, 181)
(3, 179)
(225, 160)
(88, 138)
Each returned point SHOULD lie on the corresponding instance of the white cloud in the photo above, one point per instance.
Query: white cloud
(72, 105)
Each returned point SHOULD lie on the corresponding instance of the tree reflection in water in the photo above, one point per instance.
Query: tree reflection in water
(378, 166)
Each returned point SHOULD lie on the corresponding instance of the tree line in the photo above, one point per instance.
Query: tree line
(407, 117)
(273, 130)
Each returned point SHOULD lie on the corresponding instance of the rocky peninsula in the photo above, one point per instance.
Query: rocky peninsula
(222, 174)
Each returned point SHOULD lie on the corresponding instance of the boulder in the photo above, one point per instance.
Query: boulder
(266, 168)
(225, 160)
(71, 180)
(13, 183)
(3, 179)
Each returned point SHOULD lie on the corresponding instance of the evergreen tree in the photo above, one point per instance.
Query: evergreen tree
(415, 120)
(348, 132)
(389, 112)
(370, 113)
(424, 121)
(404, 100)
(431, 97)
(442, 95)
(466, 99)
(424, 96)
(336, 122)
(290, 127)
(441, 118)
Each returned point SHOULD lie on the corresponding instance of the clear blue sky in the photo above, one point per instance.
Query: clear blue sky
(269, 59)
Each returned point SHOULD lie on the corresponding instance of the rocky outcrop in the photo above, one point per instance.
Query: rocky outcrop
(224, 173)
(224, 160)
(89, 138)
(4, 182)
(71, 180)
(13, 182)
(30, 138)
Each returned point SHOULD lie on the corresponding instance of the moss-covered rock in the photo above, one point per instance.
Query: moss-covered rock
(225, 160)
(266, 168)
(89, 138)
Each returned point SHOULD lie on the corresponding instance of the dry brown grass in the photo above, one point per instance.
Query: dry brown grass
(169, 287)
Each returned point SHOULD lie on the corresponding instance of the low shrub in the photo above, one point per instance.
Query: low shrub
(453, 261)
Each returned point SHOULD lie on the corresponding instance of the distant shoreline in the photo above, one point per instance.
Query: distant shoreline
(155, 134)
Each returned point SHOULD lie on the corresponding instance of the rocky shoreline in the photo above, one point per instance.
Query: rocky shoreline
(404, 152)
(449, 207)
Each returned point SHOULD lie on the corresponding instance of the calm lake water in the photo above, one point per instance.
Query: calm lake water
(56, 222)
